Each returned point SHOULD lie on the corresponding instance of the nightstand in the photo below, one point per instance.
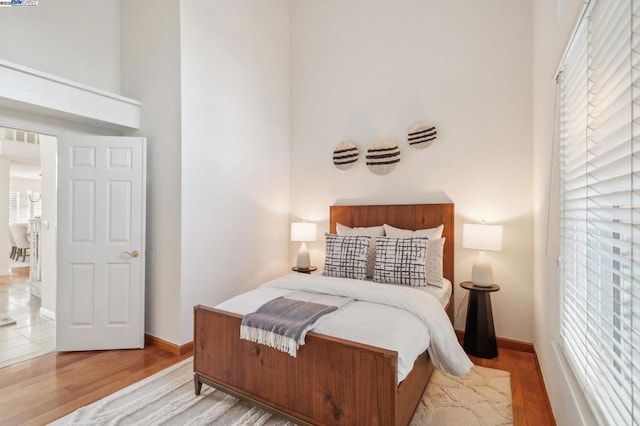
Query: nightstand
(479, 335)
(308, 270)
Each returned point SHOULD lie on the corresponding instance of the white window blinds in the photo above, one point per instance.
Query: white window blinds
(599, 113)
(24, 206)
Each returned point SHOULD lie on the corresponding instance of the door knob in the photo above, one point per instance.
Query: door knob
(134, 253)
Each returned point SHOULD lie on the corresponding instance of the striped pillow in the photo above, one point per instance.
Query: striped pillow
(401, 261)
(346, 256)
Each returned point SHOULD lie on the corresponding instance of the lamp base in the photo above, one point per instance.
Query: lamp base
(303, 260)
(482, 273)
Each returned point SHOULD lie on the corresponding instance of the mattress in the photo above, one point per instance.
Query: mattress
(362, 321)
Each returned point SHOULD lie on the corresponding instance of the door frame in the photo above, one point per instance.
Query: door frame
(16, 119)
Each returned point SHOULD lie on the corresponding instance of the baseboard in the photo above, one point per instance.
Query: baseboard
(47, 314)
(504, 343)
(544, 386)
(168, 346)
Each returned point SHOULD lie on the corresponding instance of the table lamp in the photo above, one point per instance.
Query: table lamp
(303, 232)
(482, 237)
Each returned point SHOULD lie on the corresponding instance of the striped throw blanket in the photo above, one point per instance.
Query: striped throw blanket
(283, 323)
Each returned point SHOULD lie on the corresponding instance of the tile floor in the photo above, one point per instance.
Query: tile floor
(31, 335)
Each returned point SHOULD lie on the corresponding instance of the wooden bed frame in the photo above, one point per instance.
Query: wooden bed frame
(331, 381)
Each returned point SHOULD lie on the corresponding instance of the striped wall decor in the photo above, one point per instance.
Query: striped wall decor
(422, 135)
(382, 157)
(345, 155)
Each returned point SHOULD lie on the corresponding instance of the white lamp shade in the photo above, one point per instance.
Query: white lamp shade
(482, 237)
(303, 231)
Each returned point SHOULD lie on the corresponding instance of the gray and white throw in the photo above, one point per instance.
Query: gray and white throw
(283, 322)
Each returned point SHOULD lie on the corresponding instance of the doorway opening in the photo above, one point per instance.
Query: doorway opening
(27, 259)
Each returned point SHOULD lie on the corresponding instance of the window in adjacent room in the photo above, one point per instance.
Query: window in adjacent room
(24, 206)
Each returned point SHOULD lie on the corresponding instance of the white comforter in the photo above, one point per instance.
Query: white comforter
(398, 318)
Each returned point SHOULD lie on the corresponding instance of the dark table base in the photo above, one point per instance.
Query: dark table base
(479, 335)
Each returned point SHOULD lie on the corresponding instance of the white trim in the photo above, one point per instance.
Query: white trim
(47, 314)
(64, 81)
(47, 125)
(49, 95)
(586, 8)
(576, 392)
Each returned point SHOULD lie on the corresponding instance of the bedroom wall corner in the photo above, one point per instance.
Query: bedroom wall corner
(235, 61)
(554, 21)
(151, 74)
(379, 68)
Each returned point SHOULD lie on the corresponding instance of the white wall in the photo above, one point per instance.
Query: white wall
(77, 40)
(235, 148)
(151, 74)
(5, 168)
(363, 71)
(554, 21)
(24, 185)
(49, 224)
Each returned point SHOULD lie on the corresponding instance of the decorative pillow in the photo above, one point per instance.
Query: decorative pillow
(434, 262)
(346, 256)
(431, 233)
(371, 231)
(401, 261)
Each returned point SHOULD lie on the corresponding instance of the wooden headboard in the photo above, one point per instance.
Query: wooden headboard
(407, 216)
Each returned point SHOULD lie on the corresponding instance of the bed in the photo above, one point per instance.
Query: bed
(332, 380)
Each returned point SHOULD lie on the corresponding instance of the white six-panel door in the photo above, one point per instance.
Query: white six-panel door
(101, 236)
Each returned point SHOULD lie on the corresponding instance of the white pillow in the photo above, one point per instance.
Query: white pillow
(369, 231)
(435, 255)
(431, 233)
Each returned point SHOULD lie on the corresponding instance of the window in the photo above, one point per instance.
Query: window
(24, 206)
(599, 122)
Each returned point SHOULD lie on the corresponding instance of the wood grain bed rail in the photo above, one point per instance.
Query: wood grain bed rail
(331, 381)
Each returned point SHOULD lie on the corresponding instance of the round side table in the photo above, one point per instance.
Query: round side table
(479, 335)
(308, 270)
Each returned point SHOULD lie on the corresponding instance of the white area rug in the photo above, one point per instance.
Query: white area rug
(482, 398)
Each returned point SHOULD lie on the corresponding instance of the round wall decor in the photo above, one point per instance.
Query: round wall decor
(422, 135)
(345, 155)
(382, 157)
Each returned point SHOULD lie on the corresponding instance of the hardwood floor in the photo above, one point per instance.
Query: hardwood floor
(41, 390)
(530, 401)
(44, 389)
(16, 275)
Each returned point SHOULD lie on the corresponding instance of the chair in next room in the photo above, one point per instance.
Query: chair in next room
(19, 233)
(12, 242)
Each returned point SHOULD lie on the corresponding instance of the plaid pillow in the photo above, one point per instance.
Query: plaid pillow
(373, 232)
(346, 256)
(401, 261)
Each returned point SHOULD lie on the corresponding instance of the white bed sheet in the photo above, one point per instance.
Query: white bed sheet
(442, 294)
(365, 322)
